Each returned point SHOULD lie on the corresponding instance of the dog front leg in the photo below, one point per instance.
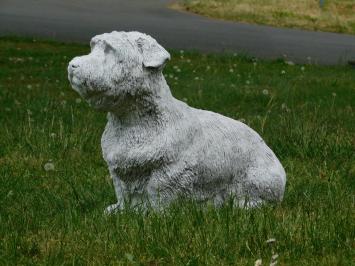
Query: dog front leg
(119, 191)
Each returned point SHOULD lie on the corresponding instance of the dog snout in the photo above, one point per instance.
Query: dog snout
(73, 65)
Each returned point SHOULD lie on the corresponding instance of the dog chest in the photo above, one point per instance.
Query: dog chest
(133, 152)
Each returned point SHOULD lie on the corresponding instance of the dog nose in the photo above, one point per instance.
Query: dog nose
(73, 65)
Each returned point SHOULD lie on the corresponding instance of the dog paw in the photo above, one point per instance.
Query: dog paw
(249, 204)
(112, 209)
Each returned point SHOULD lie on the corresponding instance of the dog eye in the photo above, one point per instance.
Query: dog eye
(108, 48)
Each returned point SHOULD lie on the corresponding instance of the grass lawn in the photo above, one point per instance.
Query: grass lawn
(54, 184)
(334, 16)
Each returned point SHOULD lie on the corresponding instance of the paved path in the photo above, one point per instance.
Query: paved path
(79, 20)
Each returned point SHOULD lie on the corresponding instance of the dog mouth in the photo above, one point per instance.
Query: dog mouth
(94, 97)
(75, 82)
(78, 84)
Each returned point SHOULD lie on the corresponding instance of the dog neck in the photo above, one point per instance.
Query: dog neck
(146, 108)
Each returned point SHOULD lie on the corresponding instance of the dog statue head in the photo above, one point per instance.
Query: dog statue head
(119, 66)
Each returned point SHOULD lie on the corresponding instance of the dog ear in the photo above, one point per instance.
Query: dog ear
(154, 55)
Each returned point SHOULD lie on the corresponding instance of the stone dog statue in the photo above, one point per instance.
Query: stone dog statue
(158, 148)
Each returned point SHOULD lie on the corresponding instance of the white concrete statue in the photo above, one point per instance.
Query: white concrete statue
(158, 148)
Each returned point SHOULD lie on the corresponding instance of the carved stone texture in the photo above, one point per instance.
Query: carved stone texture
(158, 148)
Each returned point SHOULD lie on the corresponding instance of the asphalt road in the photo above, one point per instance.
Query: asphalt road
(79, 20)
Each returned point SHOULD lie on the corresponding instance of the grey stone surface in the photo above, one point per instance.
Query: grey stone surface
(158, 148)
